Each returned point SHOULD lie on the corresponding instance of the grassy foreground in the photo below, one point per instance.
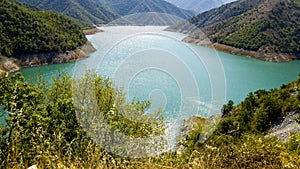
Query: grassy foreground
(40, 127)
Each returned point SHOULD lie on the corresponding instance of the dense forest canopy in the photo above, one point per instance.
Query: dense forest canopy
(25, 31)
(127, 7)
(277, 30)
(270, 29)
(84, 10)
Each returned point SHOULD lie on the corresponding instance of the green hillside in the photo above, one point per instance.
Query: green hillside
(126, 7)
(261, 110)
(267, 30)
(221, 14)
(105, 11)
(25, 31)
(85, 10)
(275, 31)
(247, 134)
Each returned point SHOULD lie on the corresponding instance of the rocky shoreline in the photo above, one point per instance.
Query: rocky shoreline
(265, 56)
(13, 64)
(92, 31)
(282, 129)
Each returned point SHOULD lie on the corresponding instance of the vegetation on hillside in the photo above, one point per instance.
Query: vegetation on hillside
(41, 127)
(127, 7)
(44, 123)
(241, 140)
(274, 30)
(86, 10)
(277, 32)
(105, 11)
(270, 29)
(25, 31)
(260, 110)
(217, 15)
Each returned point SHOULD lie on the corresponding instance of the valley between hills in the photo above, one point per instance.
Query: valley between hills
(51, 117)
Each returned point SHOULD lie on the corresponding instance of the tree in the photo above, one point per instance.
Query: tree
(44, 123)
(227, 108)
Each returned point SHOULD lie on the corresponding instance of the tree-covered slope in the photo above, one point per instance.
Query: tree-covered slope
(220, 14)
(85, 10)
(261, 110)
(270, 28)
(244, 136)
(267, 30)
(24, 31)
(126, 7)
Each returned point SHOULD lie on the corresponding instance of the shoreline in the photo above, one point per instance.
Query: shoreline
(269, 57)
(16, 63)
(92, 31)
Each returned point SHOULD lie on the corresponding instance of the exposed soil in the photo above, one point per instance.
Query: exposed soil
(12, 64)
(288, 125)
(92, 31)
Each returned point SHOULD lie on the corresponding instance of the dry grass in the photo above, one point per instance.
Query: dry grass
(91, 31)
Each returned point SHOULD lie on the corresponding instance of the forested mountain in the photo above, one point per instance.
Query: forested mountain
(25, 31)
(222, 13)
(126, 7)
(199, 5)
(85, 10)
(105, 11)
(263, 29)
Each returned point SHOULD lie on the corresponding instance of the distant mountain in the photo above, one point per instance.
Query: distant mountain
(149, 18)
(224, 12)
(85, 10)
(263, 29)
(197, 5)
(127, 7)
(214, 16)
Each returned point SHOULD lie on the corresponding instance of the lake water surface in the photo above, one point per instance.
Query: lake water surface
(182, 79)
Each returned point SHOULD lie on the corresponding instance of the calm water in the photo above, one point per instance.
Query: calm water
(182, 79)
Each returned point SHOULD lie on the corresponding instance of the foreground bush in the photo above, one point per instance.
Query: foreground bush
(40, 125)
(43, 124)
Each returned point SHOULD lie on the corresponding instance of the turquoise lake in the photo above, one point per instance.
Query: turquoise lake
(182, 79)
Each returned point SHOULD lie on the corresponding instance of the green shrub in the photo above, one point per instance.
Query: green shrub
(42, 124)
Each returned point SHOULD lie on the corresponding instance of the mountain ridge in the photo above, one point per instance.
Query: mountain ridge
(105, 11)
(127, 7)
(216, 15)
(197, 5)
(85, 10)
(261, 29)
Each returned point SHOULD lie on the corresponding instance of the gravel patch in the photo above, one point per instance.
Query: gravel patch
(283, 129)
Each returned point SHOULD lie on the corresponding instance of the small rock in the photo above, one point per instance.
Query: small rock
(33, 167)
